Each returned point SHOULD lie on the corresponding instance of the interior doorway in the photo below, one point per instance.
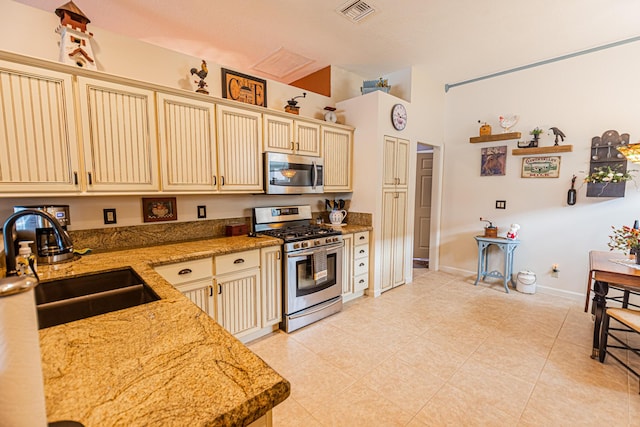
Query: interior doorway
(422, 208)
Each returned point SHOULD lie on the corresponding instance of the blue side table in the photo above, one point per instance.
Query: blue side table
(508, 246)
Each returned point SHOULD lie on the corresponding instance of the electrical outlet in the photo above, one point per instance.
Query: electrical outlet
(202, 212)
(501, 204)
(109, 216)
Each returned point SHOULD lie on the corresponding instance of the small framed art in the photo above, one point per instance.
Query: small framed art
(493, 161)
(159, 209)
(541, 167)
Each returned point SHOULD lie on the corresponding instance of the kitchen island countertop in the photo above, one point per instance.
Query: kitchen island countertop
(161, 363)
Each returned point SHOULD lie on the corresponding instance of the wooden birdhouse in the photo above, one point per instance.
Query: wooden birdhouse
(75, 40)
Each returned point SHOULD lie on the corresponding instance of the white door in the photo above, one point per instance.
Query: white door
(422, 224)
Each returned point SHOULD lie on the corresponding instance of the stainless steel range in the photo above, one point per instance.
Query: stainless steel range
(312, 264)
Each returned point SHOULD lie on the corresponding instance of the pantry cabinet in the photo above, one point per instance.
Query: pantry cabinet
(337, 151)
(119, 136)
(285, 135)
(186, 133)
(394, 220)
(38, 141)
(396, 162)
(239, 135)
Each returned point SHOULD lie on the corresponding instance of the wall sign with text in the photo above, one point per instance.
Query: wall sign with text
(541, 167)
(244, 88)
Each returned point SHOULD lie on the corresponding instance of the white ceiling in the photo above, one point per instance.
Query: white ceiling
(454, 39)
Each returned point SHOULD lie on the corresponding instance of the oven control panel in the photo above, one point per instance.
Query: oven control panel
(312, 243)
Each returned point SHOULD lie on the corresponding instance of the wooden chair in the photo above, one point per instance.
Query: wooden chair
(629, 321)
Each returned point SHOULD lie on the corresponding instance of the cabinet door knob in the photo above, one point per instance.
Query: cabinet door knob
(185, 271)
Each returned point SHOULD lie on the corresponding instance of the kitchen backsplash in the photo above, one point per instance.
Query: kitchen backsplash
(107, 239)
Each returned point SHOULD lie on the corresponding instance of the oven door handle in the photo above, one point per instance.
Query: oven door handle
(309, 253)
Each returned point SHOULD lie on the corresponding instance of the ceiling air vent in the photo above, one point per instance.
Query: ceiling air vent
(355, 11)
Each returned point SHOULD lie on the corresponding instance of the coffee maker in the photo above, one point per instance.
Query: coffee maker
(40, 231)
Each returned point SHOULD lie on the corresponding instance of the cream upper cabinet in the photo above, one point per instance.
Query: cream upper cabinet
(119, 134)
(396, 161)
(38, 142)
(239, 135)
(186, 133)
(285, 135)
(337, 151)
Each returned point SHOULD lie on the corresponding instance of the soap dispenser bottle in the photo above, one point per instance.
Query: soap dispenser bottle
(26, 263)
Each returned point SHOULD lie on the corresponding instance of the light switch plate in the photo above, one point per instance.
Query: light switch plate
(501, 204)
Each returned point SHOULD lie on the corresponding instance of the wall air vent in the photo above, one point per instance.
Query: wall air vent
(355, 11)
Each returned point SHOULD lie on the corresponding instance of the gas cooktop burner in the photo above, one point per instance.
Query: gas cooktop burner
(293, 234)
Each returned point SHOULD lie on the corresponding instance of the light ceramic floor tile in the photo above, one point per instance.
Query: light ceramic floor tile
(361, 406)
(442, 352)
(406, 386)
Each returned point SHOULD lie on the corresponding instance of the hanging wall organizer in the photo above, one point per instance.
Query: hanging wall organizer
(604, 154)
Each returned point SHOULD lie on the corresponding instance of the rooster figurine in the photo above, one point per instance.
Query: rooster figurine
(202, 73)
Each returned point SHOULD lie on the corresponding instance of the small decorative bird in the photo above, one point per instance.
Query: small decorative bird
(202, 73)
(559, 134)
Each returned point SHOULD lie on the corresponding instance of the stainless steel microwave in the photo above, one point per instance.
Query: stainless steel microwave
(293, 174)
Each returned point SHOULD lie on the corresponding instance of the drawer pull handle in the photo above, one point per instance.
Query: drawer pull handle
(361, 281)
(219, 289)
(361, 251)
(184, 271)
(75, 178)
(361, 264)
(361, 237)
(238, 261)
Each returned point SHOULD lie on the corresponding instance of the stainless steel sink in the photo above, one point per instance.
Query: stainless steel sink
(66, 300)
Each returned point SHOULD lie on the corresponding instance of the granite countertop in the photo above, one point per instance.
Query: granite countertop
(161, 363)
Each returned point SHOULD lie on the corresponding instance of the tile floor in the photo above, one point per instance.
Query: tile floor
(441, 352)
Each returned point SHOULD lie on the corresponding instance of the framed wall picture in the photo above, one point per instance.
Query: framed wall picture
(493, 161)
(159, 209)
(244, 88)
(541, 167)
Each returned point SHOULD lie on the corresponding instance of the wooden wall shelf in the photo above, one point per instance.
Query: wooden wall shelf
(497, 137)
(542, 150)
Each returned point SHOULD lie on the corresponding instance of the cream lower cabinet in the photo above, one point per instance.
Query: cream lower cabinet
(347, 267)
(194, 279)
(239, 135)
(271, 285)
(289, 136)
(393, 238)
(119, 137)
(186, 133)
(244, 295)
(337, 152)
(355, 265)
(39, 145)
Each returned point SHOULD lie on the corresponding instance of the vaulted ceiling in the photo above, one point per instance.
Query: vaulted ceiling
(455, 40)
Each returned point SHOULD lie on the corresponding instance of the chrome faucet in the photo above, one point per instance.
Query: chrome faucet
(62, 237)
